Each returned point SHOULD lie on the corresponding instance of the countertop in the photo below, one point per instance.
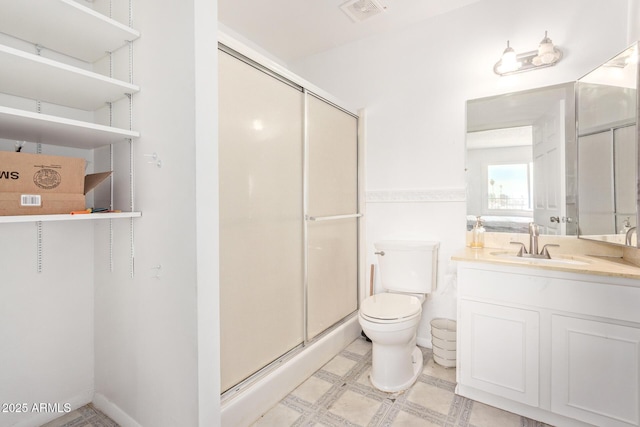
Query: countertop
(584, 264)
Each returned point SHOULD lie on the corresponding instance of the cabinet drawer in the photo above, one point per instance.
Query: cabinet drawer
(572, 293)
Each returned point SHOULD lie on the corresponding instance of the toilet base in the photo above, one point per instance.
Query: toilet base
(417, 362)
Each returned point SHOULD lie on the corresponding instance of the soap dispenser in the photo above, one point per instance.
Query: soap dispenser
(477, 234)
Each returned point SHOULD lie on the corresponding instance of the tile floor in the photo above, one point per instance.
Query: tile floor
(339, 394)
(87, 416)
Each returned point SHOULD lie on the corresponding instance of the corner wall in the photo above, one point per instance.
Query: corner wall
(147, 339)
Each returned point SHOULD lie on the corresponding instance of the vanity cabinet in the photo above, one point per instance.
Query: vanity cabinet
(558, 347)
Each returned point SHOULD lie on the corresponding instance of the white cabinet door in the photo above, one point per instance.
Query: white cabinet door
(498, 349)
(595, 371)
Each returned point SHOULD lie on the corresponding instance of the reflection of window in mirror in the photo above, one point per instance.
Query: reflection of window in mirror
(499, 178)
(509, 187)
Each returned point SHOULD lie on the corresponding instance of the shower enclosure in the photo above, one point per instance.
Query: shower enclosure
(288, 217)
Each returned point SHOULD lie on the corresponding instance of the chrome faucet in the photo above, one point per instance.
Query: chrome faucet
(627, 237)
(534, 232)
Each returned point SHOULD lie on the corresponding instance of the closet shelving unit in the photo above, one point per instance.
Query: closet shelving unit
(77, 31)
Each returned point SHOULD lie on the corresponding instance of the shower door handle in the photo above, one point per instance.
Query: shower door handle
(331, 217)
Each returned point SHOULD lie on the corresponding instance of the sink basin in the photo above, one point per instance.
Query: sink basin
(555, 259)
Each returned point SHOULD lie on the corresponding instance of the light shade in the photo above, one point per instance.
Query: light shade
(547, 52)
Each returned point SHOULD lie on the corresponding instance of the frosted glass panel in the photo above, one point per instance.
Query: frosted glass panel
(595, 185)
(332, 272)
(332, 258)
(261, 226)
(333, 160)
(625, 165)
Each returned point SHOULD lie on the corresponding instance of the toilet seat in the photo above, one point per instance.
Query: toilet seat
(390, 308)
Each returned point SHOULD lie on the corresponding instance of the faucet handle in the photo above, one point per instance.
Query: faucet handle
(545, 251)
(523, 248)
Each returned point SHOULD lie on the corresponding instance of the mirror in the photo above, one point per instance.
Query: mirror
(521, 161)
(608, 151)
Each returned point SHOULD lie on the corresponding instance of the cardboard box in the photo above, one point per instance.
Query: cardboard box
(37, 184)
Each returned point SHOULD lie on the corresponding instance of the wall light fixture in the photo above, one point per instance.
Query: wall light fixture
(512, 62)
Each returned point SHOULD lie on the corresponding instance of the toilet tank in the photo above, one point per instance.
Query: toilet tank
(407, 265)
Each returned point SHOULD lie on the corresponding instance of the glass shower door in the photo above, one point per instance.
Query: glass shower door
(332, 215)
(261, 218)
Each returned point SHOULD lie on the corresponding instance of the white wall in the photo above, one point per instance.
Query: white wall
(145, 327)
(147, 340)
(207, 218)
(46, 319)
(414, 85)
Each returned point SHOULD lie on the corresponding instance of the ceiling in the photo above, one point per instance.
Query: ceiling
(294, 29)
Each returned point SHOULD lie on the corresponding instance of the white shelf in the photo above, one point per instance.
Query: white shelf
(23, 125)
(67, 217)
(32, 76)
(64, 26)
(75, 30)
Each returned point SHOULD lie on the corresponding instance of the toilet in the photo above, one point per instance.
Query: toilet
(390, 319)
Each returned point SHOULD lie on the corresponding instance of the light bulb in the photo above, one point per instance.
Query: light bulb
(509, 61)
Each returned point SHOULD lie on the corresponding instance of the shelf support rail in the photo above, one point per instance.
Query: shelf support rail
(39, 251)
(131, 187)
(111, 181)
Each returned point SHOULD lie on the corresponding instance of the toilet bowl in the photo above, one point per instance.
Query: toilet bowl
(390, 319)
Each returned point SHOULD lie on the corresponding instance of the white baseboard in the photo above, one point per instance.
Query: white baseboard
(249, 405)
(113, 411)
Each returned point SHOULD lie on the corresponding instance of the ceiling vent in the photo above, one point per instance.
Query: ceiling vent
(360, 10)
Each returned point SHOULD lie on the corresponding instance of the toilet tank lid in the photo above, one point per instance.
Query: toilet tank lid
(407, 245)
